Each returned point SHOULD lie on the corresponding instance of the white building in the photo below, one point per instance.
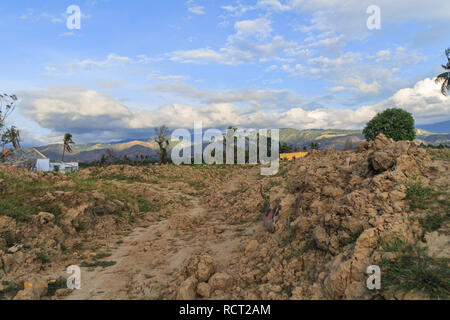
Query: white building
(45, 165)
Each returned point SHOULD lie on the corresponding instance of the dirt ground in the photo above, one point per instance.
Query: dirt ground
(197, 232)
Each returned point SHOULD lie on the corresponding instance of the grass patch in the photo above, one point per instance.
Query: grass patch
(417, 195)
(196, 185)
(9, 238)
(439, 154)
(42, 257)
(10, 289)
(395, 245)
(414, 271)
(352, 239)
(102, 255)
(149, 206)
(103, 264)
(434, 221)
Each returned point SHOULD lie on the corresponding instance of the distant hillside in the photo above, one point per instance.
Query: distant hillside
(336, 139)
(441, 127)
(325, 138)
(332, 138)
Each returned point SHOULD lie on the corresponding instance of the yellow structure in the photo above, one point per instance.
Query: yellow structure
(37, 151)
(292, 156)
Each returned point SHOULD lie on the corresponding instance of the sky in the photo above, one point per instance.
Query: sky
(135, 65)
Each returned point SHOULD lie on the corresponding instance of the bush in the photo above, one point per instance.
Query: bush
(394, 123)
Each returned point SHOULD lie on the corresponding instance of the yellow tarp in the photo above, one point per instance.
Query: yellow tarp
(291, 156)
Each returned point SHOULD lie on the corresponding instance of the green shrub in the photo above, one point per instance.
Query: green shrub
(394, 123)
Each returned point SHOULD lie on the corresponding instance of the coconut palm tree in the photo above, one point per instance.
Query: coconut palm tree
(445, 77)
(67, 142)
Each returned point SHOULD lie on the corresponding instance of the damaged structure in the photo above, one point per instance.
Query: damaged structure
(33, 159)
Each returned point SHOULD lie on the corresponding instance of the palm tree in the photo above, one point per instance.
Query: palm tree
(445, 77)
(15, 137)
(66, 144)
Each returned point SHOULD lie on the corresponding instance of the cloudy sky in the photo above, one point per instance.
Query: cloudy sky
(134, 65)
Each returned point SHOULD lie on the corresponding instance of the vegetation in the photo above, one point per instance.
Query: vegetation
(7, 106)
(12, 134)
(53, 286)
(163, 143)
(445, 77)
(412, 270)
(417, 195)
(352, 239)
(103, 264)
(10, 289)
(394, 123)
(67, 142)
(433, 221)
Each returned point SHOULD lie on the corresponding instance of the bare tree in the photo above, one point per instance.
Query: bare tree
(110, 156)
(7, 106)
(162, 142)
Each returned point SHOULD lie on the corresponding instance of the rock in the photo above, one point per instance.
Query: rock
(382, 161)
(62, 292)
(15, 248)
(205, 268)
(363, 146)
(381, 141)
(204, 290)
(251, 296)
(332, 191)
(251, 247)
(33, 291)
(187, 289)
(40, 287)
(12, 262)
(221, 281)
(45, 217)
(26, 294)
(396, 195)
(438, 244)
(321, 237)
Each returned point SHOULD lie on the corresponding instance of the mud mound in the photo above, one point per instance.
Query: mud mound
(337, 207)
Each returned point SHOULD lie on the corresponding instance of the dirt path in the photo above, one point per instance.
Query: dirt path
(149, 260)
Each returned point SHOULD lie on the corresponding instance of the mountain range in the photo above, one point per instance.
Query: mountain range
(298, 139)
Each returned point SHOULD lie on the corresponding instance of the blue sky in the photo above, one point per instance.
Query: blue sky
(135, 65)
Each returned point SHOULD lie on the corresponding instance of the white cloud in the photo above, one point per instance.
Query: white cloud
(259, 27)
(198, 10)
(237, 51)
(90, 114)
(111, 61)
(425, 101)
